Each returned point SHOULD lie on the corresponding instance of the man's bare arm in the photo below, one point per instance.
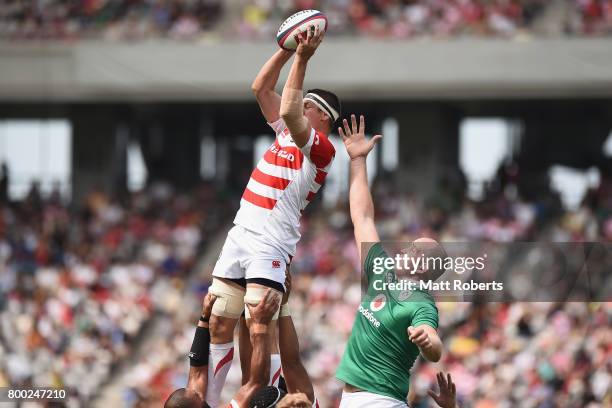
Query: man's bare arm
(260, 357)
(263, 86)
(292, 103)
(360, 198)
(198, 373)
(295, 374)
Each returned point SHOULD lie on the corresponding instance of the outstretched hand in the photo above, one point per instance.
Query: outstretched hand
(448, 392)
(308, 41)
(354, 138)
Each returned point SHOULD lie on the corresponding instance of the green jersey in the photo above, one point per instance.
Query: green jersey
(378, 356)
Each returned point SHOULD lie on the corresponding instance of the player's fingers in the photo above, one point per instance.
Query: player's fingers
(415, 333)
(309, 32)
(449, 381)
(453, 390)
(434, 396)
(267, 296)
(251, 308)
(441, 381)
(346, 127)
(341, 133)
(420, 336)
(376, 138)
(354, 123)
(361, 123)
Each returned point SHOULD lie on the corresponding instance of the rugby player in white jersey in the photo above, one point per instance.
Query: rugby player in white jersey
(266, 231)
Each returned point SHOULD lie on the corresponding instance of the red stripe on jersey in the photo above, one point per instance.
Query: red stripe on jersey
(288, 156)
(275, 377)
(320, 178)
(270, 181)
(310, 196)
(258, 200)
(225, 360)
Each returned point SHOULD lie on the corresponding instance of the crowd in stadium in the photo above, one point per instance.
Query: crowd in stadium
(501, 355)
(77, 287)
(193, 19)
(112, 20)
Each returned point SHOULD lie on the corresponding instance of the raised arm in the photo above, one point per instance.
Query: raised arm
(360, 198)
(260, 357)
(198, 355)
(263, 86)
(292, 102)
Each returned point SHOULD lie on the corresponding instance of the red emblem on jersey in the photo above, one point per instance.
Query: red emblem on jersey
(378, 302)
(276, 264)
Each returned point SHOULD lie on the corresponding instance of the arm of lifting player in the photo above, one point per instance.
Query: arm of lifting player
(260, 357)
(198, 356)
(295, 374)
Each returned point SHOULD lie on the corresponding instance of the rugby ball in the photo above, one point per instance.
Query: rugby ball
(298, 23)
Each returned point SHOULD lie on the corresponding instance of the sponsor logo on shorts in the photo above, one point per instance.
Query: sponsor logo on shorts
(276, 264)
(378, 303)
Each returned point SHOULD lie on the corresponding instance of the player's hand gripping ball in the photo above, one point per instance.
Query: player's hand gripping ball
(297, 24)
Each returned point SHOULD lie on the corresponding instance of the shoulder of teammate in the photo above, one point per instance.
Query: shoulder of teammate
(319, 149)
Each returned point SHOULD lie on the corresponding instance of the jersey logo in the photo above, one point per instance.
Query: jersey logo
(282, 153)
(276, 264)
(378, 302)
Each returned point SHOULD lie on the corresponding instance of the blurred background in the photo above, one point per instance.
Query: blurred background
(128, 132)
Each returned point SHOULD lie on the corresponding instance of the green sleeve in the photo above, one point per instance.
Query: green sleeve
(370, 263)
(427, 313)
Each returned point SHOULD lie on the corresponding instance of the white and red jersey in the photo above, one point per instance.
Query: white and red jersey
(282, 184)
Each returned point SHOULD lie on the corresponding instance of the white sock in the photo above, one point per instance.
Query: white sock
(275, 369)
(219, 363)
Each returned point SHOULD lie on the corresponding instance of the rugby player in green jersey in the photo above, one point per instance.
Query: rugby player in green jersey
(391, 328)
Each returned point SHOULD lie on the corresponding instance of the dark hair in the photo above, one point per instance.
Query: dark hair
(180, 399)
(333, 101)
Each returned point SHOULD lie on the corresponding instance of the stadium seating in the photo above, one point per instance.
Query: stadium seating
(399, 19)
(515, 354)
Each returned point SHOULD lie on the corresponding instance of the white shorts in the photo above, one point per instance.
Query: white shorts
(363, 399)
(247, 254)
